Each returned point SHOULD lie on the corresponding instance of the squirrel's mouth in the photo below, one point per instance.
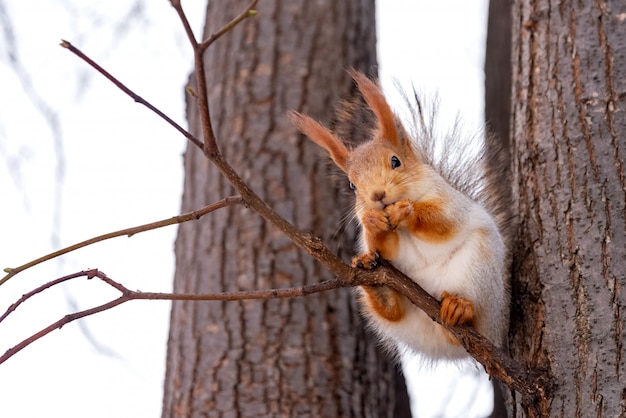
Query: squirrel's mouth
(379, 205)
(386, 202)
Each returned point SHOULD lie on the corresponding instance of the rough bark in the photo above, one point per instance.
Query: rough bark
(290, 357)
(569, 143)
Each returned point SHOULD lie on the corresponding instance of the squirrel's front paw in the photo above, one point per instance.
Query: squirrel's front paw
(456, 310)
(367, 260)
(375, 221)
(399, 213)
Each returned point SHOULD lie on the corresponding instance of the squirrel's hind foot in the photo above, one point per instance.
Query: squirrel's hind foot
(456, 310)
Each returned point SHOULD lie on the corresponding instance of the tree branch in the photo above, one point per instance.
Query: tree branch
(133, 95)
(532, 385)
(194, 215)
(210, 145)
(247, 12)
(128, 295)
(40, 289)
(210, 148)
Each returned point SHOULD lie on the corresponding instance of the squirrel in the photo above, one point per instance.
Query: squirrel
(441, 222)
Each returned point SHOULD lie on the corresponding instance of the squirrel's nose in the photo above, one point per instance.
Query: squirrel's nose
(378, 195)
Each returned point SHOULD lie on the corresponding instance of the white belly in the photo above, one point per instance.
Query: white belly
(456, 267)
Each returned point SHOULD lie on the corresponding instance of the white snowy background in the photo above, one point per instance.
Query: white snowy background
(78, 158)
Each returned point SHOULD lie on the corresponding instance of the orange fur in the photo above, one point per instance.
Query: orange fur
(367, 260)
(450, 337)
(322, 137)
(376, 101)
(456, 311)
(385, 243)
(385, 302)
(379, 233)
(427, 220)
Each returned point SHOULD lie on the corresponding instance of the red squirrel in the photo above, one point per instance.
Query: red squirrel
(445, 236)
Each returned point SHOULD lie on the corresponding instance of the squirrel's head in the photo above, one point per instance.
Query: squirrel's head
(381, 170)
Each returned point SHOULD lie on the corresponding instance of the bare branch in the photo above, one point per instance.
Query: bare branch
(128, 295)
(183, 18)
(196, 214)
(210, 145)
(65, 320)
(530, 384)
(133, 95)
(247, 12)
(312, 245)
(40, 289)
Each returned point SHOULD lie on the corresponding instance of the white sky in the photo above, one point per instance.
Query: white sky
(123, 167)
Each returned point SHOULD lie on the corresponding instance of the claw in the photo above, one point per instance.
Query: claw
(366, 261)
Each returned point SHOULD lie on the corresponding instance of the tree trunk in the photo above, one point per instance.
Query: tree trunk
(569, 142)
(498, 74)
(498, 121)
(292, 357)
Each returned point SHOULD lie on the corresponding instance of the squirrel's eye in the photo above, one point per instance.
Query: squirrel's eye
(352, 186)
(395, 162)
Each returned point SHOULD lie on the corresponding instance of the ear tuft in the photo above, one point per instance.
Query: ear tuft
(321, 136)
(386, 121)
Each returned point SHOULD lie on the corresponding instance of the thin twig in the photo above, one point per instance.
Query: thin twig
(40, 289)
(196, 214)
(211, 149)
(133, 95)
(210, 144)
(65, 320)
(128, 295)
(183, 18)
(247, 12)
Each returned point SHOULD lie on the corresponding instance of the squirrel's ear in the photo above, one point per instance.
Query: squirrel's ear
(322, 137)
(377, 102)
